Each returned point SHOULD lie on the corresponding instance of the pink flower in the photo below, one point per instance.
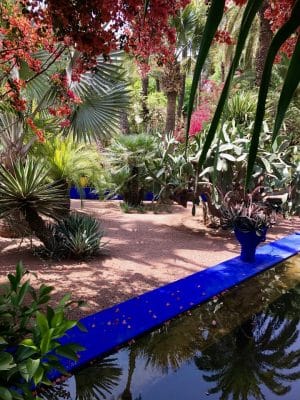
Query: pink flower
(199, 117)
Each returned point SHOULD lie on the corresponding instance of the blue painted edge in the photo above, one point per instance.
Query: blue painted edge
(115, 326)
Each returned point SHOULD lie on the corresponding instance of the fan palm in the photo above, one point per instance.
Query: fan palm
(127, 156)
(103, 94)
(26, 188)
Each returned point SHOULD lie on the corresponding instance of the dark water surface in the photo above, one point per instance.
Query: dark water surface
(241, 345)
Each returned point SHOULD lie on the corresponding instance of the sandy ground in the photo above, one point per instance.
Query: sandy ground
(145, 252)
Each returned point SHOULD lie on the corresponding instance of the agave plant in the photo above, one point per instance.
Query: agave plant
(26, 188)
(245, 218)
(77, 236)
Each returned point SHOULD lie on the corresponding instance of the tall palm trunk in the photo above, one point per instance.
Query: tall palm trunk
(171, 83)
(265, 38)
(157, 84)
(171, 112)
(182, 88)
(145, 86)
(127, 395)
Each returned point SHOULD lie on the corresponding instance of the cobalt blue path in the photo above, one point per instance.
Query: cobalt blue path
(115, 326)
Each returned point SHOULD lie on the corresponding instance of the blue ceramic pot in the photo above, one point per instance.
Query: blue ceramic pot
(249, 241)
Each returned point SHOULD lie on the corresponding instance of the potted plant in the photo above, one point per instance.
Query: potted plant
(250, 223)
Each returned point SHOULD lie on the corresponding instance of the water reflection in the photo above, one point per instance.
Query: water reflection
(95, 382)
(235, 346)
(257, 354)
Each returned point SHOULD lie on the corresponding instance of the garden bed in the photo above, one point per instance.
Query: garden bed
(146, 251)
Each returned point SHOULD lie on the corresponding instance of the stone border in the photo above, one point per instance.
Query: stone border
(115, 326)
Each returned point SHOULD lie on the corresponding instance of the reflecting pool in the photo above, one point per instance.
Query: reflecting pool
(243, 344)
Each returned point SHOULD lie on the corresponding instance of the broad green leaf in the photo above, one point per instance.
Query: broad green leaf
(6, 361)
(5, 394)
(45, 342)
(2, 340)
(249, 14)
(214, 17)
(289, 86)
(279, 38)
(38, 376)
(42, 323)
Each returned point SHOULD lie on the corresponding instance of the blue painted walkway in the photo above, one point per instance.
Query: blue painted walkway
(115, 326)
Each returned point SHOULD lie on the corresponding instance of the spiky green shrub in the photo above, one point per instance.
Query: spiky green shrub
(77, 236)
(25, 189)
(240, 107)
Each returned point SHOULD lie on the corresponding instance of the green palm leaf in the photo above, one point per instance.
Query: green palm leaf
(281, 36)
(247, 20)
(214, 17)
(290, 85)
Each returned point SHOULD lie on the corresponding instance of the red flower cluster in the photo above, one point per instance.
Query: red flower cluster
(38, 132)
(199, 117)
(278, 13)
(224, 37)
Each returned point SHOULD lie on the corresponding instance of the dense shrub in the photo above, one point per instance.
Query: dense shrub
(29, 332)
(77, 236)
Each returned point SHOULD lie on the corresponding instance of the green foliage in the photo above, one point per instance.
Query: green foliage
(70, 161)
(169, 168)
(127, 209)
(127, 157)
(26, 187)
(289, 86)
(240, 107)
(77, 236)
(28, 334)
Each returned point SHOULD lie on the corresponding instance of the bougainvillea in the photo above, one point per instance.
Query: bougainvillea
(278, 13)
(94, 27)
(199, 117)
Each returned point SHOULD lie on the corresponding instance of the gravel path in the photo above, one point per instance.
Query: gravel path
(145, 252)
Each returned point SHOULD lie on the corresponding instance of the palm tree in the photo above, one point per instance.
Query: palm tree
(70, 161)
(103, 97)
(127, 157)
(98, 380)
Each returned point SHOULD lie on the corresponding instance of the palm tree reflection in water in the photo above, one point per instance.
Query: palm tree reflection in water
(256, 354)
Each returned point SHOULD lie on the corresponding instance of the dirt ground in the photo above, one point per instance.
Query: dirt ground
(145, 252)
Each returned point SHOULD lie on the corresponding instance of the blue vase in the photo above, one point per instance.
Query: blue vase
(249, 241)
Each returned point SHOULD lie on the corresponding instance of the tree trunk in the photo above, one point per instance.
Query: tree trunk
(124, 123)
(182, 88)
(171, 112)
(133, 195)
(127, 395)
(145, 110)
(38, 226)
(157, 83)
(265, 38)
(181, 97)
